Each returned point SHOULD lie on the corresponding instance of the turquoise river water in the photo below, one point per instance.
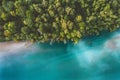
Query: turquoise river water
(93, 58)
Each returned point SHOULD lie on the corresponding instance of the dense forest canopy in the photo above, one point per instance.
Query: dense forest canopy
(57, 20)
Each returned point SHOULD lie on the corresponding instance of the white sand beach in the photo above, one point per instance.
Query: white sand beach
(14, 46)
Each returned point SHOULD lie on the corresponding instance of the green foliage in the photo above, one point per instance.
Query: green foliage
(57, 20)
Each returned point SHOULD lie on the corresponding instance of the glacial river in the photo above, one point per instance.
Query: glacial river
(93, 58)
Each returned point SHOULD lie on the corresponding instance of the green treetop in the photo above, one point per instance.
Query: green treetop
(57, 20)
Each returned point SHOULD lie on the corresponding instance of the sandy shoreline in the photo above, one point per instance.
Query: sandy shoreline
(11, 45)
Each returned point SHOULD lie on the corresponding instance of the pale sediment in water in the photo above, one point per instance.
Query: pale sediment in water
(113, 43)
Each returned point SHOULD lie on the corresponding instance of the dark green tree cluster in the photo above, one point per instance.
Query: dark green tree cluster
(57, 20)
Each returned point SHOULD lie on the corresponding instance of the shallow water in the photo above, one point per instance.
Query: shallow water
(93, 58)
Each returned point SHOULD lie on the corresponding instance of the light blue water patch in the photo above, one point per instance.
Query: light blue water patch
(93, 58)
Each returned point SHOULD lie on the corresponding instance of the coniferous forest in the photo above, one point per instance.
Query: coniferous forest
(57, 20)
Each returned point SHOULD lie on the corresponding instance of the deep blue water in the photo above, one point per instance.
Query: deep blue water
(93, 58)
